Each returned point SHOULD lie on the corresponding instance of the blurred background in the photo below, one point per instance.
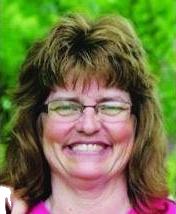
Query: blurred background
(23, 22)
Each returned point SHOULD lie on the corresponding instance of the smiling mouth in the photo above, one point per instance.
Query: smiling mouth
(88, 147)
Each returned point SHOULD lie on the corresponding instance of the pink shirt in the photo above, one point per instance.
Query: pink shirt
(41, 209)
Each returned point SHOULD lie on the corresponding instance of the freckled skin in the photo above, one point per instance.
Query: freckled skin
(88, 127)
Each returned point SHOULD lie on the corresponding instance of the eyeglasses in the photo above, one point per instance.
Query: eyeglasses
(68, 111)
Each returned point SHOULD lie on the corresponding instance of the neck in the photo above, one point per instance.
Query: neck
(85, 197)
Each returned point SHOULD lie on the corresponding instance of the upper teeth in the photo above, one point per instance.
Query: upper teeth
(87, 147)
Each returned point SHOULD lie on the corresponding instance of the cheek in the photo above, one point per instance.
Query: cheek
(122, 132)
(55, 132)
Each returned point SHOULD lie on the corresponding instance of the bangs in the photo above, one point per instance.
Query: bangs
(86, 69)
(113, 70)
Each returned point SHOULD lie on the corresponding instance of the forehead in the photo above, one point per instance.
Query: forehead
(94, 90)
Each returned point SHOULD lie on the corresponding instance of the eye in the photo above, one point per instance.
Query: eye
(64, 108)
(113, 108)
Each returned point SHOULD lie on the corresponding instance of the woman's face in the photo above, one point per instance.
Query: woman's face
(89, 147)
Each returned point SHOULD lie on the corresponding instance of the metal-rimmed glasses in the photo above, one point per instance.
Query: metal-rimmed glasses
(68, 111)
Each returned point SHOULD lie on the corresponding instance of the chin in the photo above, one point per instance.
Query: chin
(88, 171)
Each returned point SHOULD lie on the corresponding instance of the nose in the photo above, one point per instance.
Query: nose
(88, 123)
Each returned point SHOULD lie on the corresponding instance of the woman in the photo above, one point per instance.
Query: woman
(87, 134)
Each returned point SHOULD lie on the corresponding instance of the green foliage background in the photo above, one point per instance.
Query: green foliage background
(22, 22)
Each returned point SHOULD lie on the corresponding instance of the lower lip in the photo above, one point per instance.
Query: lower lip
(88, 154)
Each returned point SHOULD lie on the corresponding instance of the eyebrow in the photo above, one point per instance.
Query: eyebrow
(98, 100)
(116, 98)
(73, 99)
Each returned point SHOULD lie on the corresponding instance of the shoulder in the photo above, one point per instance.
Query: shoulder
(168, 205)
(171, 207)
(39, 208)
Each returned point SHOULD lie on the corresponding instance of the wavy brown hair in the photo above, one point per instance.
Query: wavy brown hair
(107, 47)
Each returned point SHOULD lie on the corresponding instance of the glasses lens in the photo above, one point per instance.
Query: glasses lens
(114, 111)
(64, 110)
